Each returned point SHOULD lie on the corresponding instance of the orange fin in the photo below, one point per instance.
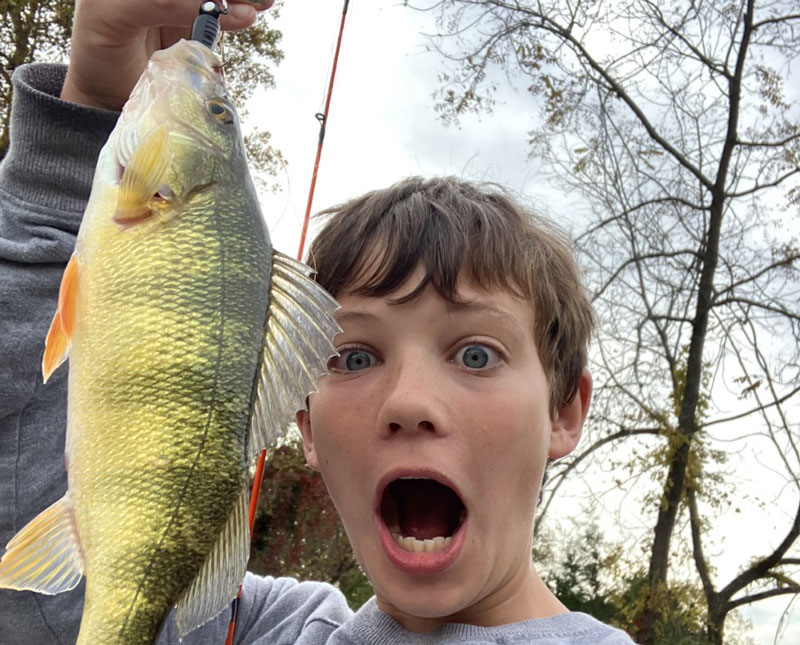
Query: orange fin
(56, 347)
(46, 555)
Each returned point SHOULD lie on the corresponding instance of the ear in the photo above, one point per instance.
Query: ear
(568, 424)
(303, 418)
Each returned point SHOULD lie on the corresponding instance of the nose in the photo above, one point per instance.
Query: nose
(413, 401)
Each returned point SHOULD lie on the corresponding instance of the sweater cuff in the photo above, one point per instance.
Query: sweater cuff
(54, 144)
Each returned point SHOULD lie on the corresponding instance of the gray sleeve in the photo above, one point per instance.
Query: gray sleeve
(45, 179)
(273, 611)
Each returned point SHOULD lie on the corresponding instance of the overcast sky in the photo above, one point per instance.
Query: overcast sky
(382, 126)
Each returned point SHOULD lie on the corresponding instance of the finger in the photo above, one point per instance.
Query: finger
(242, 13)
(178, 13)
(239, 16)
(181, 13)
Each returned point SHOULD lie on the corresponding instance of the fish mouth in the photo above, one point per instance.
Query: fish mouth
(422, 513)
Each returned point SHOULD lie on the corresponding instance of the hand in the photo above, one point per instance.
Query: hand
(112, 40)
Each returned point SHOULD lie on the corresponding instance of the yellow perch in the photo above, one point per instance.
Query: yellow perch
(191, 343)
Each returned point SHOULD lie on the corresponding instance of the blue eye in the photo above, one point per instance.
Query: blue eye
(477, 357)
(357, 360)
(352, 360)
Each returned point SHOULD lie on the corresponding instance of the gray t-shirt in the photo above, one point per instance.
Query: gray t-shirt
(45, 180)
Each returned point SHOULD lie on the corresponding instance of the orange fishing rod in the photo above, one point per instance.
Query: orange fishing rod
(323, 120)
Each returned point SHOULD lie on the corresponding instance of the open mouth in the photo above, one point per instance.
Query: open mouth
(421, 514)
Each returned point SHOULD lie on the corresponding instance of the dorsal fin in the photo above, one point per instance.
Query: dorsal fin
(216, 584)
(298, 343)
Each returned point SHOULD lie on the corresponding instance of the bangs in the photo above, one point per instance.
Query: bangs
(387, 239)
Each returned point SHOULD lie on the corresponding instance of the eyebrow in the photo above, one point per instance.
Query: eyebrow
(474, 306)
(354, 316)
(464, 306)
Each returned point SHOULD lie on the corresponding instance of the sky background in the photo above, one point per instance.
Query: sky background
(382, 127)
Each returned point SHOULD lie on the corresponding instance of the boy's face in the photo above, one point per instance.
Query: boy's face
(433, 424)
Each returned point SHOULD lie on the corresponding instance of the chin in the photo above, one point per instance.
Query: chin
(415, 600)
(423, 609)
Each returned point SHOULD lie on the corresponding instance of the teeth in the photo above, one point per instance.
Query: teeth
(413, 545)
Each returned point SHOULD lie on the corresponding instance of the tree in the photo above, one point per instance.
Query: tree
(576, 577)
(39, 30)
(670, 120)
(31, 30)
(297, 530)
(592, 576)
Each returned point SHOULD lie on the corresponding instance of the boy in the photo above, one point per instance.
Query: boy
(455, 381)
(461, 370)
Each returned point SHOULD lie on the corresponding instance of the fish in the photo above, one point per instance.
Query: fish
(191, 344)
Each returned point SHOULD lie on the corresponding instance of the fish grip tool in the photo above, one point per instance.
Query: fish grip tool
(205, 28)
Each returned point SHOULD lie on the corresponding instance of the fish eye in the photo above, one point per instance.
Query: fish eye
(477, 356)
(220, 111)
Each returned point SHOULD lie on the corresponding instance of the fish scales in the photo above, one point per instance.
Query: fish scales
(140, 289)
(166, 317)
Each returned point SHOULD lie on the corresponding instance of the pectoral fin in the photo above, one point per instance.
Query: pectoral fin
(146, 171)
(56, 346)
(218, 581)
(298, 344)
(45, 556)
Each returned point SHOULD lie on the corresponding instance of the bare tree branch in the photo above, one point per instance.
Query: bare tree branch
(747, 600)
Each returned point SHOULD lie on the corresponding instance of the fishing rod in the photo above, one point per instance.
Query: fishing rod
(323, 121)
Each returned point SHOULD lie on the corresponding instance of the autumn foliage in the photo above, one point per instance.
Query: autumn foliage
(297, 530)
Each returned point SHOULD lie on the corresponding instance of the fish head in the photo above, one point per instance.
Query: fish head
(178, 138)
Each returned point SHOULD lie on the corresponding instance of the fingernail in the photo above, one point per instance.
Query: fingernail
(240, 12)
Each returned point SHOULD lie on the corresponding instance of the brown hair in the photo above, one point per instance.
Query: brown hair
(458, 229)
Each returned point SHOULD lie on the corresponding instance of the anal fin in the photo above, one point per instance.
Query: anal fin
(298, 343)
(45, 556)
(217, 583)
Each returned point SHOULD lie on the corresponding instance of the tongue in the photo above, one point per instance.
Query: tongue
(427, 509)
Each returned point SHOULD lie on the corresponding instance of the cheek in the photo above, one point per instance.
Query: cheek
(340, 443)
(512, 440)
(335, 424)
(508, 417)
